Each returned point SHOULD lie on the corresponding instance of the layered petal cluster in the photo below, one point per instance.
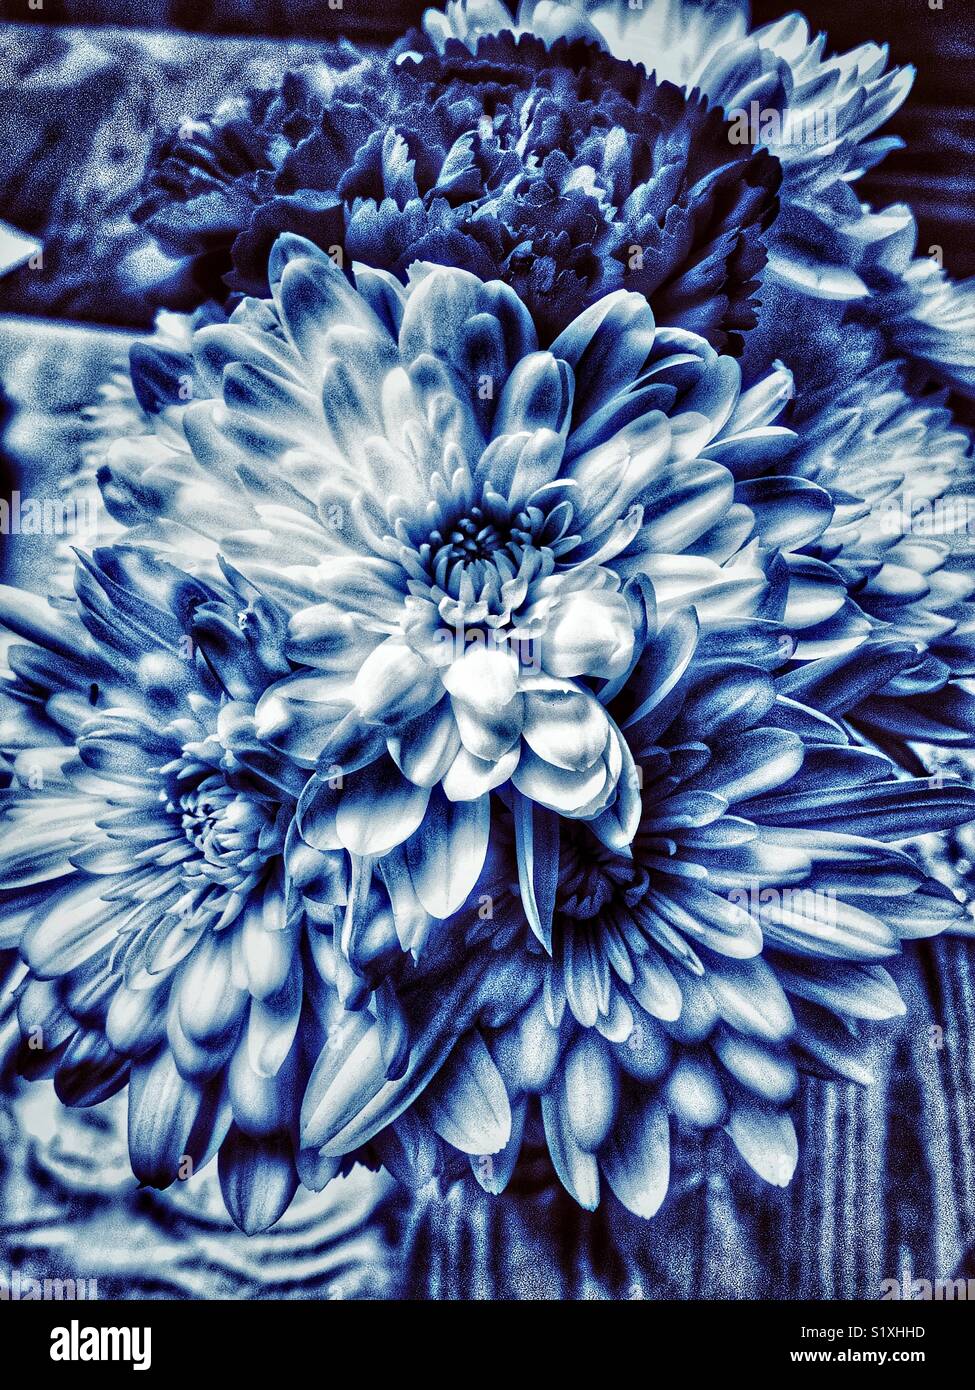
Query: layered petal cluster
(817, 115)
(562, 171)
(113, 413)
(680, 984)
(499, 722)
(903, 537)
(462, 529)
(212, 177)
(674, 38)
(924, 315)
(143, 837)
(895, 557)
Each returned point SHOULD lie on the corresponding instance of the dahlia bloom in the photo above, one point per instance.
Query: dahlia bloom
(561, 171)
(144, 830)
(465, 532)
(683, 982)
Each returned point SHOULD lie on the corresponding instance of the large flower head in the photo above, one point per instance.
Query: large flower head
(680, 984)
(143, 847)
(817, 115)
(466, 531)
(562, 171)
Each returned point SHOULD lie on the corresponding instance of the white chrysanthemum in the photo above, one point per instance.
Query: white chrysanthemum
(742, 936)
(459, 526)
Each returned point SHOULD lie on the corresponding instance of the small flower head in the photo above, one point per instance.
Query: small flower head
(143, 837)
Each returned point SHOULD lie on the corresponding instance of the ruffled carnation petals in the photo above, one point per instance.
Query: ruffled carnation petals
(456, 157)
(825, 242)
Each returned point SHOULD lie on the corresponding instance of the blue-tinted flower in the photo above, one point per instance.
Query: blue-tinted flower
(465, 532)
(561, 171)
(675, 38)
(903, 478)
(741, 937)
(495, 720)
(817, 115)
(144, 832)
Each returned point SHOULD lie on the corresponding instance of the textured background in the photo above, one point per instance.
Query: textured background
(886, 1176)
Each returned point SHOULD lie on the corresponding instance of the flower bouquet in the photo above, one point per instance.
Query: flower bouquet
(516, 721)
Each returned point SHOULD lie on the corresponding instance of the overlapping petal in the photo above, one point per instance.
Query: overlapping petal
(467, 531)
(143, 837)
(558, 169)
(680, 980)
(503, 719)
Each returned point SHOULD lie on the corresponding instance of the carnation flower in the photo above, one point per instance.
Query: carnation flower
(143, 869)
(210, 177)
(466, 533)
(816, 115)
(563, 172)
(681, 983)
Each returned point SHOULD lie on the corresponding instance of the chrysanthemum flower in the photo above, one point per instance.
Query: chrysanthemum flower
(925, 316)
(561, 171)
(682, 983)
(461, 528)
(143, 872)
(674, 38)
(901, 476)
(903, 537)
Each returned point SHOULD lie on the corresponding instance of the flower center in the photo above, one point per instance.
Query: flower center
(482, 559)
(592, 877)
(223, 825)
(474, 537)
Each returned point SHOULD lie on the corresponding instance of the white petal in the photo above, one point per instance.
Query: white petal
(379, 809)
